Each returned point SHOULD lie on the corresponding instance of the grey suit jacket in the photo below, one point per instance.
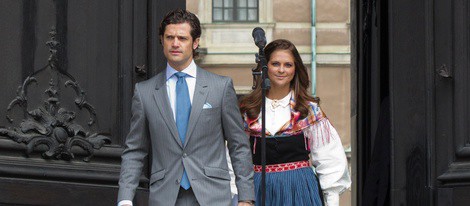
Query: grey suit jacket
(153, 132)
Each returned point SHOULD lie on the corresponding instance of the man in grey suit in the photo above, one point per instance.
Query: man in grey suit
(182, 118)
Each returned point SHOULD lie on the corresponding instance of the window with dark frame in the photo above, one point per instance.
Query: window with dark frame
(234, 10)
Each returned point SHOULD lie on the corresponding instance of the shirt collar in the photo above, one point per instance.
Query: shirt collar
(191, 70)
(284, 102)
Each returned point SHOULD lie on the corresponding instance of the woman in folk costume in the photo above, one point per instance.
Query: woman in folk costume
(298, 136)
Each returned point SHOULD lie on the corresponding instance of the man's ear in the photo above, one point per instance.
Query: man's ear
(161, 38)
(196, 43)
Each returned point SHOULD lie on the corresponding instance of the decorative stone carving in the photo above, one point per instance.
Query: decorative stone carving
(50, 124)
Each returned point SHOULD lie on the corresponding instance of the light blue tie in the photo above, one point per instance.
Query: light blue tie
(183, 109)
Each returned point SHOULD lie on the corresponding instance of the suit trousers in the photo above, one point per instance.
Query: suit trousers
(186, 198)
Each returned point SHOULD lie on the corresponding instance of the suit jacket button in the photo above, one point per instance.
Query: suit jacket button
(184, 155)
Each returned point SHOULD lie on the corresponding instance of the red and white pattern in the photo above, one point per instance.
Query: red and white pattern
(283, 166)
(294, 126)
(316, 127)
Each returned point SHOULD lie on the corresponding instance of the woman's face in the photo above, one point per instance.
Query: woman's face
(281, 69)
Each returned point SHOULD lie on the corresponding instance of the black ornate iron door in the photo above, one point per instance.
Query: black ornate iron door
(67, 70)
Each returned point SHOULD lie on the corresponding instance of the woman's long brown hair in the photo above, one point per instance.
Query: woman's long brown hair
(251, 103)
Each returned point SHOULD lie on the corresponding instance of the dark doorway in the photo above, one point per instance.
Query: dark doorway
(373, 102)
(412, 60)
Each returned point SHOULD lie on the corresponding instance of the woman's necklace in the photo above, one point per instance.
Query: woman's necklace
(275, 103)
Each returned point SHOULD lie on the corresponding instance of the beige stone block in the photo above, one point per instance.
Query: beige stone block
(292, 11)
(345, 198)
(334, 90)
(241, 75)
(300, 37)
(333, 36)
(192, 6)
(332, 10)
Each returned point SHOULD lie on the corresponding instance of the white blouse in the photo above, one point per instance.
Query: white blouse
(277, 113)
(329, 160)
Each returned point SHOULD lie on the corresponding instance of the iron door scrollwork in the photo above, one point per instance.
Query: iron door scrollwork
(50, 124)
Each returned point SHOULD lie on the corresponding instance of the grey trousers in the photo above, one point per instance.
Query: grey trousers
(186, 198)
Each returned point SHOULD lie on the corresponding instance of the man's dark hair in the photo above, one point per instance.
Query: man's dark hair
(179, 16)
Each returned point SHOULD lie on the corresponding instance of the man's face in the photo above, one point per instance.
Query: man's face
(178, 45)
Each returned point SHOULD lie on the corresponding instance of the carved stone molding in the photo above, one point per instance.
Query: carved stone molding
(50, 124)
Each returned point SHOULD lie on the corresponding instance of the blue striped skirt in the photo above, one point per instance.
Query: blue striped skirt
(297, 187)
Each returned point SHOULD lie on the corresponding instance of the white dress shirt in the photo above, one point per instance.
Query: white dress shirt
(171, 80)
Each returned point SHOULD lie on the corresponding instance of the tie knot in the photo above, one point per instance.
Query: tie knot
(180, 75)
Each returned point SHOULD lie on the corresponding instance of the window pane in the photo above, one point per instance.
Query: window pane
(217, 3)
(228, 14)
(217, 15)
(228, 3)
(241, 15)
(252, 14)
(252, 3)
(241, 4)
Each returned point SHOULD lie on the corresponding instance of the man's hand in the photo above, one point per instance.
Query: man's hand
(125, 203)
(246, 203)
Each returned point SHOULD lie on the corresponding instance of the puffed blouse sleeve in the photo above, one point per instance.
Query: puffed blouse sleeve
(328, 157)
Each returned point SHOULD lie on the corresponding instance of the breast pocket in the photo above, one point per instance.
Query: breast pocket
(211, 111)
(210, 116)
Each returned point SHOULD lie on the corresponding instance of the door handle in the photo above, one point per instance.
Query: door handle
(444, 72)
(141, 70)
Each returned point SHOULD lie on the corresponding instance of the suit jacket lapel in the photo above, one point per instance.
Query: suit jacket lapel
(199, 98)
(163, 105)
